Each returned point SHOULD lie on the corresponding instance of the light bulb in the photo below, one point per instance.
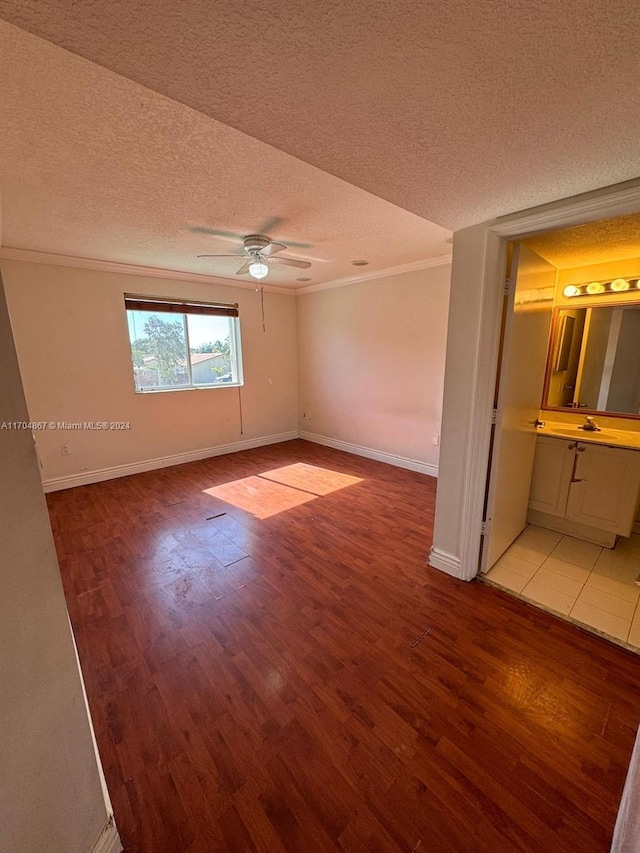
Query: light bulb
(258, 270)
(619, 284)
(595, 287)
(571, 290)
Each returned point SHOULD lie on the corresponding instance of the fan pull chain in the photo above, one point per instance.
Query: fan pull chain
(240, 410)
(264, 328)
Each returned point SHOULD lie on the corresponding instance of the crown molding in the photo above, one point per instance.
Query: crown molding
(439, 260)
(7, 253)
(31, 256)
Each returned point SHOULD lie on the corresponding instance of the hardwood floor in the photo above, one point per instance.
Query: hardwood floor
(256, 684)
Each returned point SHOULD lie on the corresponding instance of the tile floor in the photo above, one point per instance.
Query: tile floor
(591, 585)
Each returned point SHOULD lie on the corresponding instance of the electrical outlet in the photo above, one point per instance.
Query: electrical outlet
(65, 449)
(435, 440)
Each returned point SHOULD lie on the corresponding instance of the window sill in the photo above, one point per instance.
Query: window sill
(148, 391)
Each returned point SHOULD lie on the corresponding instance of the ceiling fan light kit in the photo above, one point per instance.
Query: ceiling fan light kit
(257, 269)
(260, 251)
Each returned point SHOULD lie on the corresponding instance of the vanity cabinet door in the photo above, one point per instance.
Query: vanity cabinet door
(606, 492)
(552, 468)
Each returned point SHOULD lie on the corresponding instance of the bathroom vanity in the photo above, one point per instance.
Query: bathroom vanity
(586, 484)
(586, 479)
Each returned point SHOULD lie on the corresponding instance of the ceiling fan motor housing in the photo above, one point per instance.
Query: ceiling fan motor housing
(255, 243)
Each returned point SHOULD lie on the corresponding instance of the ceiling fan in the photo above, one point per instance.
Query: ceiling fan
(258, 253)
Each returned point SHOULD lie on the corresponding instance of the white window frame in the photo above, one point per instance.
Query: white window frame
(198, 306)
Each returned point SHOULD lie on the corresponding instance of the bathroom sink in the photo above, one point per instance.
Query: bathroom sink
(584, 434)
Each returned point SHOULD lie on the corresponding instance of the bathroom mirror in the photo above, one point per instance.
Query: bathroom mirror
(594, 360)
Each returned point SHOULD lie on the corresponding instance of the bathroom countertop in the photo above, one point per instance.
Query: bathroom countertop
(611, 437)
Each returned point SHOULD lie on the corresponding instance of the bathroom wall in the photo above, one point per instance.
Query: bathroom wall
(624, 268)
(580, 274)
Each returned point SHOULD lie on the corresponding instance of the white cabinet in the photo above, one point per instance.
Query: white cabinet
(591, 484)
(604, 489)
(552, 470)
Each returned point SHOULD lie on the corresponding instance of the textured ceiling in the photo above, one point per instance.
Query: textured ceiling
(96, 166)
(457, 110)
(594, 243)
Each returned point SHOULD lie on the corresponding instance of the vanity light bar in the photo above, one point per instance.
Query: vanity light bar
(596, 288)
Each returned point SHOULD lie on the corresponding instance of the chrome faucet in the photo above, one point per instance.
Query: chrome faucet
(589, 425)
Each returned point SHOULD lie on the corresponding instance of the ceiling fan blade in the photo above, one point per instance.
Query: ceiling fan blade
(270, 224)
(219, 256)
(272, 248)
(244, 269)
(291, 262)
(223, 235)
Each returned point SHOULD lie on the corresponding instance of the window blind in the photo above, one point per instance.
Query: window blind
(176, 306)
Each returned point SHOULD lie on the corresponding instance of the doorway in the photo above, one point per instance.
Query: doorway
(562, 568)
(473, 340)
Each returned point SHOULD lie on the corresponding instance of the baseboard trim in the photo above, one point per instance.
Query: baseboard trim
(109, 840)
(370, 453)
(445, 562)
(55, 484)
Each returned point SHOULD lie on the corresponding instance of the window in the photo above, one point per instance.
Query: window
(177, 344)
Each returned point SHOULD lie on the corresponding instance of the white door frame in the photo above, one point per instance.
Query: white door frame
(602, 204)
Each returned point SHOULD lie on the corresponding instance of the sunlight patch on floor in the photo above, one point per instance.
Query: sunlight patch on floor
(271, 492)
(309, 478)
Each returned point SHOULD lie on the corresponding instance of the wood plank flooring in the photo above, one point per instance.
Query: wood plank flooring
(255, 682)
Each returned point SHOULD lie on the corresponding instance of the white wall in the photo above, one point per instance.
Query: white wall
(371, 358)
(468, 395)
(51, 794)
(72, 342)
